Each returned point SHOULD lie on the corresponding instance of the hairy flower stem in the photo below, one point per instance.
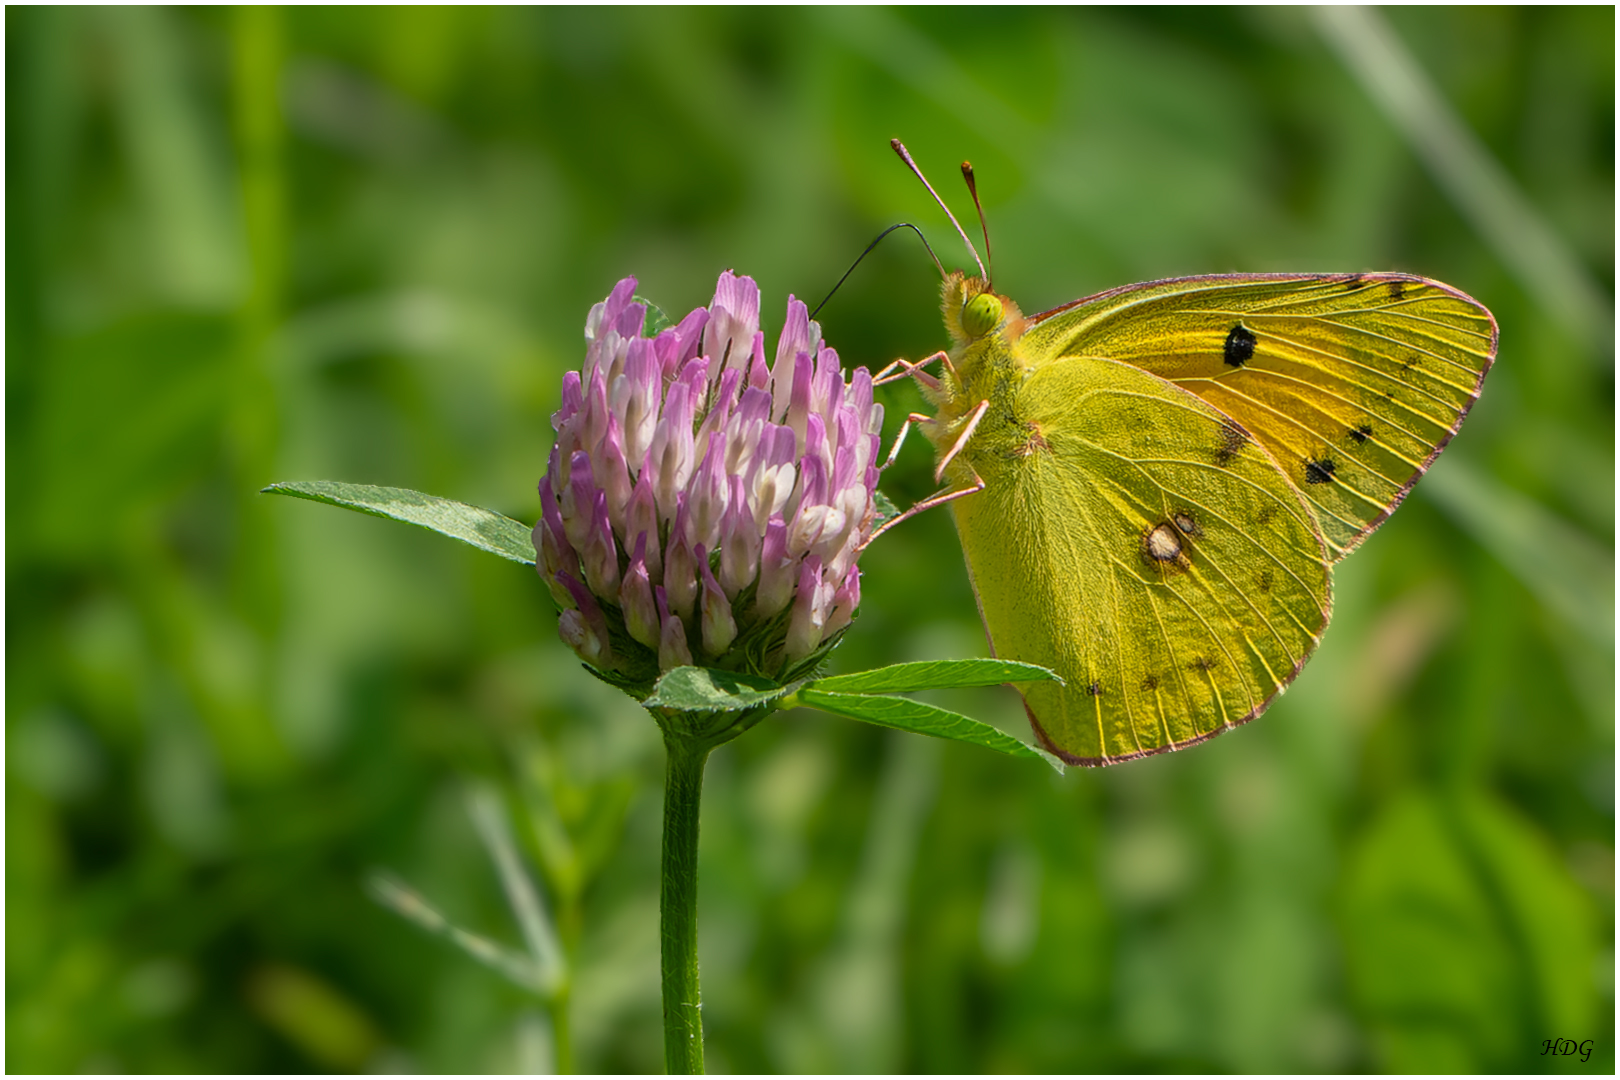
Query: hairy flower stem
(677, 901)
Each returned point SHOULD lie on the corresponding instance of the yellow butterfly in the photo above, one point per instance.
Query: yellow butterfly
(1151, 484)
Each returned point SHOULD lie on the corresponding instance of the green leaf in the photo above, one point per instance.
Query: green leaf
(696, 689)
(483, 529)
(935, 675)
(904, 714)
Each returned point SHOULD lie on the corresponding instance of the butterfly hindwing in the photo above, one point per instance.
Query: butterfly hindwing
(1137, 541)
(1353, 383)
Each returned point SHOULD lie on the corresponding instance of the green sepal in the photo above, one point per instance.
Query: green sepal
(657, 322)
(698, 689)
(885, 510)
(935, 675)
(904, 714)
(483, 529)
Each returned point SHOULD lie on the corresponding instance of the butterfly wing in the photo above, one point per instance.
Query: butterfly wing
(1352, 382)
(1139, 543)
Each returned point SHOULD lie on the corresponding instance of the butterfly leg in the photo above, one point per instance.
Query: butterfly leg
(919, 418)
(887, 374)
(905, 429)
(961, 440)
(927, 504)
(944, 496)
(902, 368)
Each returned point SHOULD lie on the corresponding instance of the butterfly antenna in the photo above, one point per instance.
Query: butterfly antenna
(868, 251)
(973, 189)
(905, 156)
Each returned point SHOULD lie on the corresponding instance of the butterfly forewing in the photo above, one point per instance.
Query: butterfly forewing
(1352, 382)
(1137, 541)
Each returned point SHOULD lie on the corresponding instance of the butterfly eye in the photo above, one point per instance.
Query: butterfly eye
(981, 315)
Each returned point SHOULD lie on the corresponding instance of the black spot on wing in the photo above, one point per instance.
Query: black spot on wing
(1232, 440)
(1397, 290)
(1320, 471)
(1150, 682)
(1095, 689)
(1239, 346)
(1361, 434)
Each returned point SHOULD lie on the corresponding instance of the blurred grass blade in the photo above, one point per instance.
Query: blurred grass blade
(483, 529)
(935, 675)
(695, 689)
(404, 901)
(1481, 189)
(1436, 870)
(314, 1015)
(1568, 572)
(895, 45)
(865, 963)
(122, 417)
(490, 819)
(903, 714)
(184, 183)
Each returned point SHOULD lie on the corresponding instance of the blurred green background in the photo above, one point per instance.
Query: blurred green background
(257, 245)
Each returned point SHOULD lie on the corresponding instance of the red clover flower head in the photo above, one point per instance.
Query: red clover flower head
(703, 506)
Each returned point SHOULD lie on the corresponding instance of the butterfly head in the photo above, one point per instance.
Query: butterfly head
(973, 310)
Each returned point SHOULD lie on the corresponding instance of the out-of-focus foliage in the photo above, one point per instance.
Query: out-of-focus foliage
(360, 244)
